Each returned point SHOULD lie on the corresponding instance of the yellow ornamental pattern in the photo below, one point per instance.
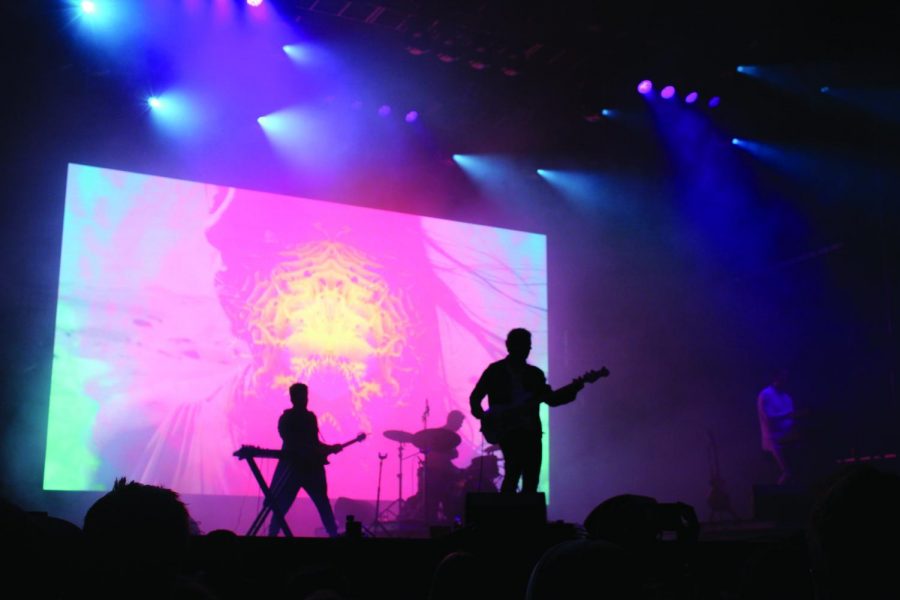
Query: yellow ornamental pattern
(326, 306)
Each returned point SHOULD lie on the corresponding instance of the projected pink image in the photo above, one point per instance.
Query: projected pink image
(186, 310)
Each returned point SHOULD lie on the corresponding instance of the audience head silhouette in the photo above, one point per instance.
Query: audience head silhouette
(627, 520)
(853, 536)
(460, 575)
(584, 569)
(135, 516)
(137, 536)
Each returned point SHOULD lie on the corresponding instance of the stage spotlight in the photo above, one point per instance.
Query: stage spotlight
(645, 87)
(254, 2)
(384, 110)
(103, 21)
(174, 113)
(606, 112)
(411, 116)
(824, 89)
(692, 97)
(736, 142)
(299, 53)
(714, 101)
(542, 172)
(742, 69)
(667, 92)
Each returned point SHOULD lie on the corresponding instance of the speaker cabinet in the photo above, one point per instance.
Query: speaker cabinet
(506, 511)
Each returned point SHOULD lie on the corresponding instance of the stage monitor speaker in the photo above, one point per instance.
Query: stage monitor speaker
(506, 511)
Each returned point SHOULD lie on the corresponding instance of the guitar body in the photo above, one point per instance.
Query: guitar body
(499, 422)
(502, 420)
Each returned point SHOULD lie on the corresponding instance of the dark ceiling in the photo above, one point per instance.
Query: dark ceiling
(678, 36)
(489, 71)
(554, 64)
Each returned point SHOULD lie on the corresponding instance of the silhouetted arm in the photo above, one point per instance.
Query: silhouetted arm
(565, 394)
(478, 395)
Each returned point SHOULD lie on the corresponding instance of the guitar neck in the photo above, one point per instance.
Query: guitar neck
(355, 440)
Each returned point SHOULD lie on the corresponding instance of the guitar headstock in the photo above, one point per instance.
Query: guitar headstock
(360, 437)
(245, 451)
(592, 376)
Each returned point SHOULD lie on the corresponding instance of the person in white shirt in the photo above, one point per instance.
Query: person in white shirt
(777, 423)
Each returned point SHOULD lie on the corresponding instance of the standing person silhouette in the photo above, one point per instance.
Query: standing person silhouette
(778, 427)
(515, 390)
(302, 464)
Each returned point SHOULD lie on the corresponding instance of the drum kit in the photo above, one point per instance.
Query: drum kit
(437, 440)
(441, 486)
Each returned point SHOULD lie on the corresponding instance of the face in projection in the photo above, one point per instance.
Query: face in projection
(326, 316)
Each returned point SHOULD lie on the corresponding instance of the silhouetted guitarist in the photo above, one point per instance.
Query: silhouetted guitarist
(303, 461)
(515, 390)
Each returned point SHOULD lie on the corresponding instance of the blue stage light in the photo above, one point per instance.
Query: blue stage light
(298, 52)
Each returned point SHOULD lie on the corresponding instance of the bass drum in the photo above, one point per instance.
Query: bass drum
(445, 496)
(481, 474)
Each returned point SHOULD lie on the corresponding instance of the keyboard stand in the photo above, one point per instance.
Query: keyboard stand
(269, 506)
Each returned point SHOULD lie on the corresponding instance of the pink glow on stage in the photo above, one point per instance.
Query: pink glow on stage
(187, 309)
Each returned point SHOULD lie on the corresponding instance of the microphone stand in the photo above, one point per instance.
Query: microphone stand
(425, 467)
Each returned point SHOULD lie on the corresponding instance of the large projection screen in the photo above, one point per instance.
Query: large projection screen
(187, 309)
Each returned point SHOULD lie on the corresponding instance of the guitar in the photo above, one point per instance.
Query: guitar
(500, 420)
(324, 451)
(717, 499)
(321, 453)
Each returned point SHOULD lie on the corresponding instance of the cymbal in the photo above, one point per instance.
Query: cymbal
(398, 436)
(442, 440)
